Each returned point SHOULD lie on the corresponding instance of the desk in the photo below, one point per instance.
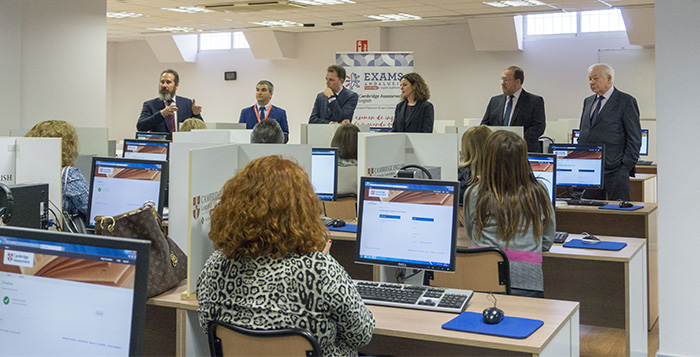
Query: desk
(417, 332)
(643, 187)
(611, 286)
(640, 223)
(645, 169)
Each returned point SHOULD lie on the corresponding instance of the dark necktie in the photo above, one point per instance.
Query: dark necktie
(509, 108)
(170, 118)
(262, 113)
(597, 109)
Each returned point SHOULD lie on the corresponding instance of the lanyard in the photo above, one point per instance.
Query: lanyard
(257, 114)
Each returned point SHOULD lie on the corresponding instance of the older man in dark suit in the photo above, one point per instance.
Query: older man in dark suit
(163, 113)
(336, 104)
(611, 117)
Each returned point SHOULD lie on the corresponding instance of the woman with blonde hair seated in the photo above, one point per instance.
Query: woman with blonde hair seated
(271, 269)
(75, 187)
(192, 123)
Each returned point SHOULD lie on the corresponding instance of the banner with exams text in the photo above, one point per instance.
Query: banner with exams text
(375, 77)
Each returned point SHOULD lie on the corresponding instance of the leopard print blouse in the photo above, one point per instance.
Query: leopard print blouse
(311, 292)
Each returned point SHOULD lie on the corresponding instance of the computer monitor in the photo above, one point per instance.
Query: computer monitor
(544, 167)
(407, 223)
(575, 133)
(644, 148)
(118, 185)
(148, 135)
(378, 129)
(146, 149)
(324, 172)
(70, 294)
(579, 166)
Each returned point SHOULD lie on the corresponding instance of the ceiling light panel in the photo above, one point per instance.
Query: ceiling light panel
(174, 29)
(323, 2)
(187, 9)
(394, 17)
(278, 23)
(122, 15)
(515, 3)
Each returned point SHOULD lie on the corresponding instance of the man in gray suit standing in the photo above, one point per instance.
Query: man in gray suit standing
(611, 117)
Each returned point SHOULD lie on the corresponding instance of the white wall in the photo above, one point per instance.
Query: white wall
(461, 79)
(677, 52)
(10, 62)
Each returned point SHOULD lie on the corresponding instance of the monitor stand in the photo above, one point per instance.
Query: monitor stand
(401, 275)
(577, 193)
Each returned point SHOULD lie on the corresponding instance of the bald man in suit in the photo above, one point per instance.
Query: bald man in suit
(611, 117)
(516, 107)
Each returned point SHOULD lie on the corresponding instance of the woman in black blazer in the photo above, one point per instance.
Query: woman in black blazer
(414, 114)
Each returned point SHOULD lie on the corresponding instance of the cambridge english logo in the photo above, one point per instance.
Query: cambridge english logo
(17, 258)
(196, 206)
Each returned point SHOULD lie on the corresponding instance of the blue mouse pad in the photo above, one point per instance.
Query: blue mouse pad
(577, 243)
(350, 228)
(617, 207)
(511, 327)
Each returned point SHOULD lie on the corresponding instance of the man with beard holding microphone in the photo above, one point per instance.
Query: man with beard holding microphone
(163, 113)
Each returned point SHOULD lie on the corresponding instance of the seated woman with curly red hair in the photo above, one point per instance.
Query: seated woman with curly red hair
(270, 271)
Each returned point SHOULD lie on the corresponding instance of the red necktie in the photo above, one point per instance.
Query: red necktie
(170, 118)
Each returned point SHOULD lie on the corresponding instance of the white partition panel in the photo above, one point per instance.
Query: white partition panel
(472, 121)
(440, 126)
(380, 154)
(513, 129)
(212, 137)
(299, 153)
(93, 141)
(434, 150)
(230, 126)
(8, 148)
(18, 131)
(558, 130)
(207, 175)
(318, 135)
(39, 160)
(240, 136)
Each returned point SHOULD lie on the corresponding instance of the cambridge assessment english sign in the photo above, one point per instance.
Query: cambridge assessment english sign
(375, 77)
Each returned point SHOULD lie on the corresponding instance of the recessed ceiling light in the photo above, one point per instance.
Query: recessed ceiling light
(278, 23)
(506, 3)
(174, 29)
(394, 17)
(187, 9)
(323, 2)
(122, 15)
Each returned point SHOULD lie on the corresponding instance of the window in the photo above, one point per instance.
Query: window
(551, 23)
(222, 41)
(602, 20)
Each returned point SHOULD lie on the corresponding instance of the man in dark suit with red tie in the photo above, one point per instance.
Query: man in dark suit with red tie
(516, 107)
(611, 117)
(163, 113)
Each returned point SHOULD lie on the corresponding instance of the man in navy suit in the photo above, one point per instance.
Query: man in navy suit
(336, 104)
(516, 107)
(263, 109)
(163, 113)
(611, 117)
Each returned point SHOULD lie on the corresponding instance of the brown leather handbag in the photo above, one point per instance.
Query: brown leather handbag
(167, 262)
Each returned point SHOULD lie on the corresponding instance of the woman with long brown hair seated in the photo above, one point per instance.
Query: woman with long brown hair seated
(509, 209)
(271, 269)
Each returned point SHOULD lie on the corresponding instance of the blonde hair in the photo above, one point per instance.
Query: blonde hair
(473, 141)
(58, 129)
(192, 123)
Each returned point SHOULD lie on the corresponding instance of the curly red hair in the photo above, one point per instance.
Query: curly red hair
(268, 208)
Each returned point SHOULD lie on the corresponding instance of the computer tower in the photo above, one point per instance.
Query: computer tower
(31, 208)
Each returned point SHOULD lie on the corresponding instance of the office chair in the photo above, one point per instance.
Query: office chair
(230, 340)
(479, 269)
(545, 142)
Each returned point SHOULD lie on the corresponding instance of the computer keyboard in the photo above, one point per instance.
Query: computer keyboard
(413, 296)
(560, 237)
(586, 202)
(644, 162)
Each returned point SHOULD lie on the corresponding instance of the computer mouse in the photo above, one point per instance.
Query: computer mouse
(589, 239)
(493, 315)
(625, 204)
(338, 223)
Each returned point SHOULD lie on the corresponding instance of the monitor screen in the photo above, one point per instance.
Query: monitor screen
(644, 148)
(575, 133)
(324, 172)
(146, 149)
(119, 185)
(544, 167)
(70, 294)
(377, 129)
(147, 135)
(407, 223)
(579, 165)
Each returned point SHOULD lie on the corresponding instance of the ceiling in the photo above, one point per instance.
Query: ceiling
(433, 12)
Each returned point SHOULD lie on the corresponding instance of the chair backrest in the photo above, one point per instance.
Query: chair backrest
(479, 269)
(230, 340)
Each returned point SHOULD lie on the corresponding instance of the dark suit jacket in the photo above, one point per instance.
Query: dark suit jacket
(343, 107)
(250, 119)
(528, 113)
(617, 126)
(151, 119)
(420, 121)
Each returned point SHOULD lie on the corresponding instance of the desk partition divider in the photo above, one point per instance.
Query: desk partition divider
(212, 137)
(434, 150)
(39, 160)
(321, 135)
(93, 141)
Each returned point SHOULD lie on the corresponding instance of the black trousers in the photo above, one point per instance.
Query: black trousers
(616, 186)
